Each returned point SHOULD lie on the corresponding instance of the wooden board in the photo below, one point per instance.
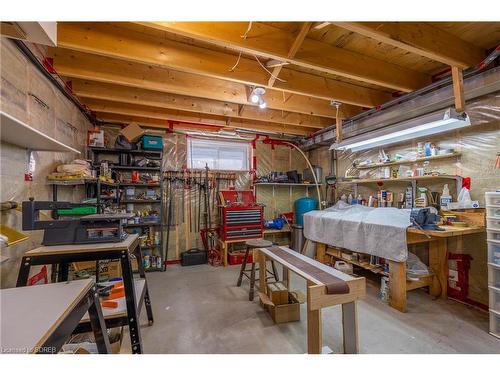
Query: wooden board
(449, 231)
(31, 314)
(129, 243)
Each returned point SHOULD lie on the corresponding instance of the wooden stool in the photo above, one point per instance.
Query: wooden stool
(250, 245)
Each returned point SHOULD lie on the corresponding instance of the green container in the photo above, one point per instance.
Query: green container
(88, 210)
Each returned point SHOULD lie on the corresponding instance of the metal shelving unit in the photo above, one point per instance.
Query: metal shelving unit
(148, 154)
(85, 181)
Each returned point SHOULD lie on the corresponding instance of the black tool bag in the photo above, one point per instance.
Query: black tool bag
(123, 143)
(193, 257)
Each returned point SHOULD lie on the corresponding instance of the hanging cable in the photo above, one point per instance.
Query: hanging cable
(321, 203)
(268, 71)
(236, 64)
(244, 36)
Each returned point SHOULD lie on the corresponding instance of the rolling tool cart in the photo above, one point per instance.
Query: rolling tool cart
(241, 216)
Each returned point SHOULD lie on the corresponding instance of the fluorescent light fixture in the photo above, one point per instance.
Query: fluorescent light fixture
(421, 127)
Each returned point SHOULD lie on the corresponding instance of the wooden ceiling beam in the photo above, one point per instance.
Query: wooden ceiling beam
(299, 39)
(103, 91)
(422, 39)
(118, 115)
(273, 43)
(111, 41)
(102, 69)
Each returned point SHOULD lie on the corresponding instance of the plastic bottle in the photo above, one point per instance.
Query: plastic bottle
(445, 199)
(349, 199)
(343, 198)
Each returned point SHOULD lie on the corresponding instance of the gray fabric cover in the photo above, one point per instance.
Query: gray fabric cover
(375, 231)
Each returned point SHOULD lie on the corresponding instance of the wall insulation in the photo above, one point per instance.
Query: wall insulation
(183, 236)
(477, 146)
(27, 95)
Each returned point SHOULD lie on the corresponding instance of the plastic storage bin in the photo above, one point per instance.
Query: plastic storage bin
(495, 323)
(493, 234)
(494, 275)
(150, 142)
(494, 252)
(492, 223)
(492, 198)
(493, 212)
(494, 298)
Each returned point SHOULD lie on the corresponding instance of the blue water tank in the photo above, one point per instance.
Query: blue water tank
(303, 205)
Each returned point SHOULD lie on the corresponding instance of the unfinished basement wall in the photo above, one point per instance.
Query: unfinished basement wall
(477, 146)
(184, 232)
(183, 236)
(27, 95)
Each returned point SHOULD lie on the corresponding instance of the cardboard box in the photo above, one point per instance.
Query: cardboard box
(289, 312)
(132, 132)
(108, 269)
(277, 293)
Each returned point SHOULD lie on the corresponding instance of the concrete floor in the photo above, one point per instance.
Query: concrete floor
(200, 310)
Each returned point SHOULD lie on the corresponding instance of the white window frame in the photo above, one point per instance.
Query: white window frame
(218, 145)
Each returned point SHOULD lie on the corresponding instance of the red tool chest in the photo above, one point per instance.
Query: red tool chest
(241, 216)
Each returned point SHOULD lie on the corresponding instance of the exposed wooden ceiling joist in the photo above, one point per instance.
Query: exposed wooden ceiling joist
(299, 39)
(422, 39)
(111, 41)
(274, 43)
(117, 93)
(102, 69)
(147, 119)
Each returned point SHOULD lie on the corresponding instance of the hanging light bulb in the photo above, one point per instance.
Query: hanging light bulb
(262, 104)
(254, 98)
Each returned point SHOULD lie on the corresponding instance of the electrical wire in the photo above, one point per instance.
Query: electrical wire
(312, 172)
(268, 71)
(236, 64)
(245, 35)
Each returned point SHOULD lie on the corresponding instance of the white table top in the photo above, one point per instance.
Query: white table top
(121, 309)
(127, 244)
(29, 315)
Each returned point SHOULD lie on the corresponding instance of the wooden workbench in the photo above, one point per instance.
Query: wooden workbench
(317, 298)
(40, 318)
(437, 280)
(224, 244)
(63, 255)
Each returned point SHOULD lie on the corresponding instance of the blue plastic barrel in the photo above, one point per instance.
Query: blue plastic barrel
(303, 205)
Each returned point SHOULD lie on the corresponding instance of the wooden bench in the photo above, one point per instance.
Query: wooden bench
(318, 298)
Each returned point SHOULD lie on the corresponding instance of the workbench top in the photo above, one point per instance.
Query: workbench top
(449, 231)
(128, 243)
(31, 314)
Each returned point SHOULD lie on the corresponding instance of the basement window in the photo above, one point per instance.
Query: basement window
(218, 155)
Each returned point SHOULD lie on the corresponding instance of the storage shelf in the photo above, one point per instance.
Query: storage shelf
(366, 266)
(104, 150)
(284, 184)
(141, 201)
(152, 224)
(18, 133)
(399, 162)
(80, 181)
(133, 168)
(374, 180)
(140, 185)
